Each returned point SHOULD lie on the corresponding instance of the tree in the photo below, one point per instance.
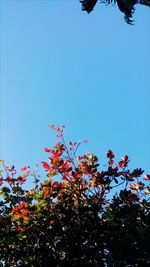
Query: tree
(125, 6)
(80, 215)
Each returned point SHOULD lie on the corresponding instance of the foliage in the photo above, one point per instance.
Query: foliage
(125, 6)
(75, 217)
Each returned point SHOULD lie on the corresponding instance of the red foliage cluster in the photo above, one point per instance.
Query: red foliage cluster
(54, 213)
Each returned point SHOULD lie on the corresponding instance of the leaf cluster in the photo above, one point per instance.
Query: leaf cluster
(80, 215)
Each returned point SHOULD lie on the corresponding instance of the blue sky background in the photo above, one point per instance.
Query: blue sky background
(90, 73)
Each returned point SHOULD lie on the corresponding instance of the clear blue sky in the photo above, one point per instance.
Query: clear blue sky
(90, 73)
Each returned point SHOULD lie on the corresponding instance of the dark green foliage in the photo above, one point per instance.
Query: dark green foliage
(125, 6)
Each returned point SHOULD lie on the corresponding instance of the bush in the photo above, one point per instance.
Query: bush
(78, 216)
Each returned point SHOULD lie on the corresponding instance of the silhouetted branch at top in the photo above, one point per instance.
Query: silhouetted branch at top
(125, 6)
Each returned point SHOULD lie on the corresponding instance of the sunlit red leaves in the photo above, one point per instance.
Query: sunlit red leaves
(52, 127)
(147, 177)
(79, 184)
(56, 162)
(24, 169)
(55, 159)
(93, 184)
(23, 205)
(47, 191)
(51, 187)
(77, 174)
(47, 149)
(124, 162)
(19, 228)
(137, 186)
(15, 246)
(59, 129)
(52, 222)
(45, 165)
(56, 153)
(72, 146)
(21, 211)
(134, 186)
(65, 168)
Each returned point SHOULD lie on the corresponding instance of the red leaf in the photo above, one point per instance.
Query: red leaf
(134, 186)
(47, 150)
(147, 177)
(24, 168)
(52, 221)
(45, 165)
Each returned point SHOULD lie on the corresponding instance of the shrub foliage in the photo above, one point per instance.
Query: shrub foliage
(80, 215)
